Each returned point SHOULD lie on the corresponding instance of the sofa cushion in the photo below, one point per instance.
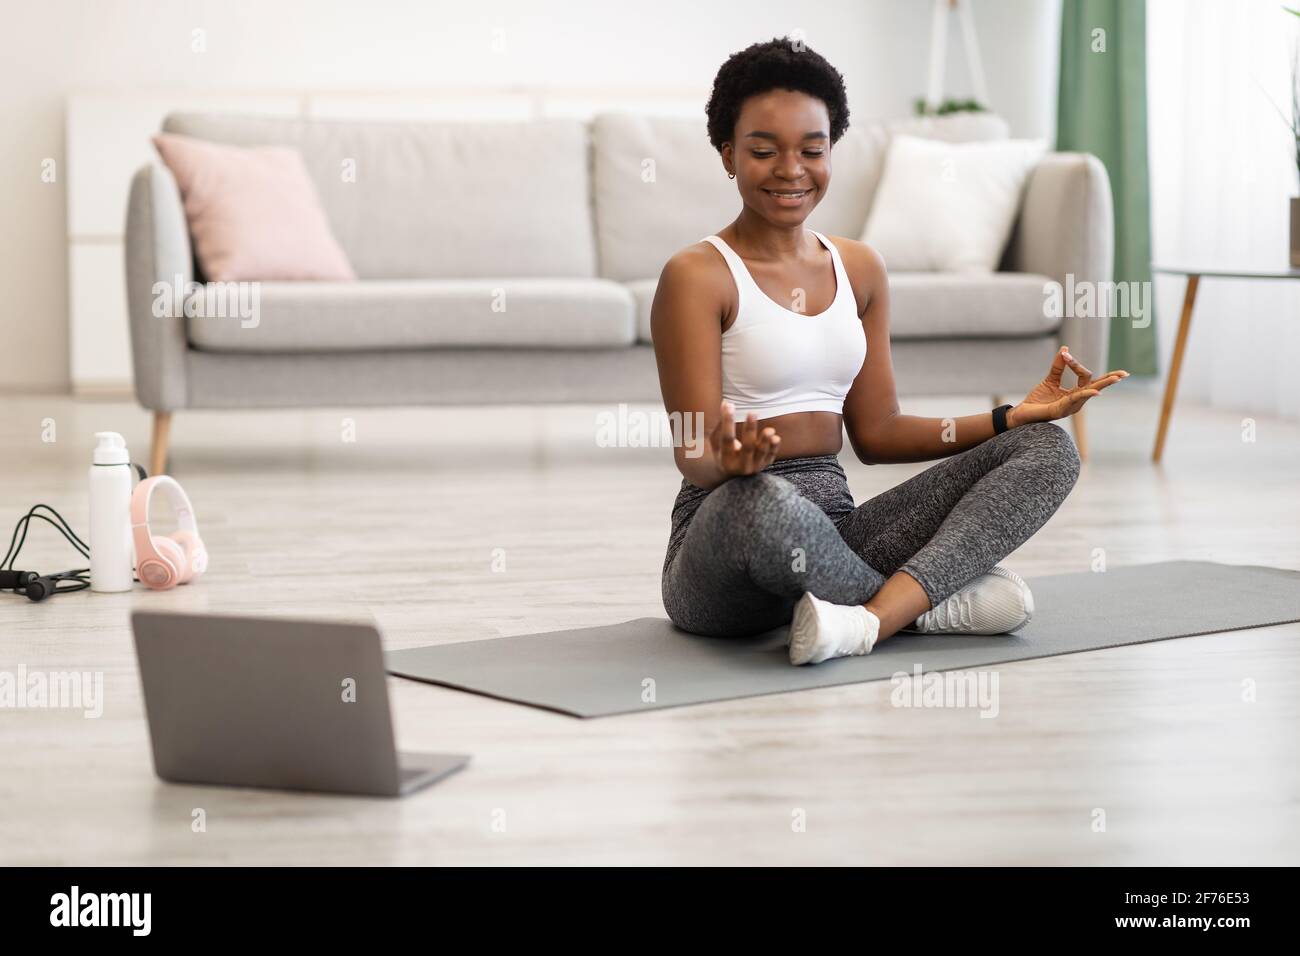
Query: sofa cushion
(431, 200)
(949, 207)
(422, 313)
(643, 295)
(930, 305)
(253, 213)
(659, 184)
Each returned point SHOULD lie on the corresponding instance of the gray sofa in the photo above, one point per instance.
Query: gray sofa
(516, 262)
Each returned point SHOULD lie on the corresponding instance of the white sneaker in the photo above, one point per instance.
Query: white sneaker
(995, 603)
(822, 630)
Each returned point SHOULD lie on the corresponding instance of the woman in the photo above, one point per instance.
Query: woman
(764, 530)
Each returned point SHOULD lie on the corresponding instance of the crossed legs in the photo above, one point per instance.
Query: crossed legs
(755, 545)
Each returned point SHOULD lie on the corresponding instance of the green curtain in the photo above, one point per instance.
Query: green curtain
(1102, 109)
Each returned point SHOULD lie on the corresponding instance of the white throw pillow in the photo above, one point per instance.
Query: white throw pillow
(948, 207)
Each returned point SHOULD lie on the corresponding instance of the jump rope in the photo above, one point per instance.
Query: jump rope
(37, 587)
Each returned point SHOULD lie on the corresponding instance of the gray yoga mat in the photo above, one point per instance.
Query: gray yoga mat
(599, 671)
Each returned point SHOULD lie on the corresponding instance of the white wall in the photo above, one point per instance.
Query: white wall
(57, 47)
(1222, 174)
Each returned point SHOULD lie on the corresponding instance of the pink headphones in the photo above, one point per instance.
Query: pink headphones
(164, 562)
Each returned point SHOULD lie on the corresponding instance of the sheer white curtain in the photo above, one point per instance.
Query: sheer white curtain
(1221, 177)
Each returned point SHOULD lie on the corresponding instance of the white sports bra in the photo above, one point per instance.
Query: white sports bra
(776, 361)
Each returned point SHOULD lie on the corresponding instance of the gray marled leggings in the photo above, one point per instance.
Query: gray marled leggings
(740, 556)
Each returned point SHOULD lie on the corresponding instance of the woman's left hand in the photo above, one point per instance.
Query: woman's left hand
(1049, 401)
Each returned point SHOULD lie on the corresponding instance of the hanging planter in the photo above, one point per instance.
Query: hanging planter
(923, 107)
(934, 103)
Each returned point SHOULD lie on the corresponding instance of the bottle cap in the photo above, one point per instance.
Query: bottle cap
(110, 449)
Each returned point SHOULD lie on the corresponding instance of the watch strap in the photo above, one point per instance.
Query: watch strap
(1000, 419)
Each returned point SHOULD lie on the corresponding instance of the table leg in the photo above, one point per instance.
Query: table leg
(162, 429)
(1176, 366)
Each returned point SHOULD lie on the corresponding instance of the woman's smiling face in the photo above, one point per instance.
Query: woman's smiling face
(781, 154)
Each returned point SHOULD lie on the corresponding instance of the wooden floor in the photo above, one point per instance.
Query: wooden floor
(401, 524)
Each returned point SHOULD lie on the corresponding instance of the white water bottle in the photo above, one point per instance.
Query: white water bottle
(110, 514)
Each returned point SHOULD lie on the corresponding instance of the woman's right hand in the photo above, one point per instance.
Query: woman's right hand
(742, 450)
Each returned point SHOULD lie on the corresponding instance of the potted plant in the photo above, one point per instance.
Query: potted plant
(947, 107)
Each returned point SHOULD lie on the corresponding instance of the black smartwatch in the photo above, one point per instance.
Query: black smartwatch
(1000, 418)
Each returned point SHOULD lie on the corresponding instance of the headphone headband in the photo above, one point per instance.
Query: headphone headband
(176, 497)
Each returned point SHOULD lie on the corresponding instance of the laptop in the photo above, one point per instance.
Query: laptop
(272, 702)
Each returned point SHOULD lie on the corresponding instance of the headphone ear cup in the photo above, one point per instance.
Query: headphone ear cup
(165, 573)
(192, 556)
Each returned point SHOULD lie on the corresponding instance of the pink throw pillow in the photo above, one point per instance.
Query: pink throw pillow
(253, 212)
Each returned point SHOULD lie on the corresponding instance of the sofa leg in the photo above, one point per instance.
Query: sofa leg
(1080, 433)
(162, 428)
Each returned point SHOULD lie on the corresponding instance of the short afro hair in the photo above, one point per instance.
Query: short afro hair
(780, 63)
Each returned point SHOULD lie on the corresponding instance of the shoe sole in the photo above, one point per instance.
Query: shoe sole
(803, 630)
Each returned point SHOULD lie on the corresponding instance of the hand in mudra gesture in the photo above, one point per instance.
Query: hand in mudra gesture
(1048, 400)
(742, 449)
